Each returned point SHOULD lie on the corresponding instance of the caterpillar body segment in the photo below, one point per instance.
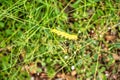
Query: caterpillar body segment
(64, 34)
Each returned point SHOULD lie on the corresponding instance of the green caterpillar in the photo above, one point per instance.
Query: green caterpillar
(64, 34)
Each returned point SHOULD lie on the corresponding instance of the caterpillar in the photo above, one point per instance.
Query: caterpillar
(64, 34)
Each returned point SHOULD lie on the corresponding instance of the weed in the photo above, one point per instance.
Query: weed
(90, 47)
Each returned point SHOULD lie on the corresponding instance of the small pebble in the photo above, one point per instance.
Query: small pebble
(72, 67)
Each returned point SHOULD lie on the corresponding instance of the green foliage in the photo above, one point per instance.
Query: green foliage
(25, 26)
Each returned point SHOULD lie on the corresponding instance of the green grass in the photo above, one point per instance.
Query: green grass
(25, 32)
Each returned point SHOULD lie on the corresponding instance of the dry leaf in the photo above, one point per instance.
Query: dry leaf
(73, 73)
(116, 57)
(70, 77)
(110, 37)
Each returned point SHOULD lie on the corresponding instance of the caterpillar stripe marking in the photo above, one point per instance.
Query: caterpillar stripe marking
(64, 34)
